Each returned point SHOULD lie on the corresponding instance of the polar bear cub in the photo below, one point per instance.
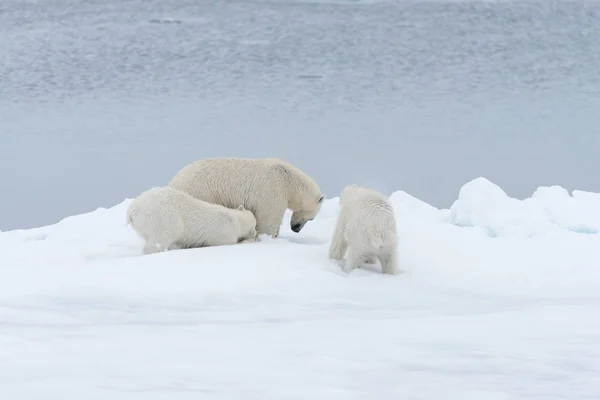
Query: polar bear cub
(169, 219)
(366, 228)
(265, 186)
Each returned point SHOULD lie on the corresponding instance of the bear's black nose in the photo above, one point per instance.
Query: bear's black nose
(296, 227)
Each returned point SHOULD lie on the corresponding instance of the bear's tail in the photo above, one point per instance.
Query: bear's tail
(375, 236)
(128, 219)
(376, 240)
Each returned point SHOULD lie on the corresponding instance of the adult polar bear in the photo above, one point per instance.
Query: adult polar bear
(265, 186)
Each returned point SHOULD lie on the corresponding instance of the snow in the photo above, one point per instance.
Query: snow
(498, 299)
(485, 205)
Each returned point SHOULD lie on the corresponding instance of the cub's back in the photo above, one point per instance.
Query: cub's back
(164, 198)
(367, 207)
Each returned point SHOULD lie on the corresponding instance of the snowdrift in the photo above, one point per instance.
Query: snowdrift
(498, 299)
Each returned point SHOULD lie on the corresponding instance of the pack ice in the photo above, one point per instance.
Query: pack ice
(498, 299)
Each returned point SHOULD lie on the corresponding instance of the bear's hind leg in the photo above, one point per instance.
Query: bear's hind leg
(387, 258)
(152, 246)
(338, 250)
(338, 246)
(353, 260)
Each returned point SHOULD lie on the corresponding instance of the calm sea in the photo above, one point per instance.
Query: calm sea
(100, 99)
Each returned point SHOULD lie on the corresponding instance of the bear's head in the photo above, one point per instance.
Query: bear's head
(308, 212)
(247, 222)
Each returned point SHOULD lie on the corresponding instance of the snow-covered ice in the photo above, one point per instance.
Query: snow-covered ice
(485, 205)
(499, 299)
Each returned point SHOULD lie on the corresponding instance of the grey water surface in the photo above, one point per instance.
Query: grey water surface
(100, 99)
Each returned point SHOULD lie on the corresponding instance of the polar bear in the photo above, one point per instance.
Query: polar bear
(366, 228)
(265, 186)
(169, 219)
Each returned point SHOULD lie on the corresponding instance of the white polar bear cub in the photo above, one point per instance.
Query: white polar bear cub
(169, 219)
(265, 186)
(366, 227)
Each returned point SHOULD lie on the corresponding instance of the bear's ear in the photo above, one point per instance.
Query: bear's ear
(321, 198)
(241, 208)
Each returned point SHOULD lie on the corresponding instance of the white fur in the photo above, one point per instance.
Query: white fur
(366, 228)
(169, 219)
(265, 186)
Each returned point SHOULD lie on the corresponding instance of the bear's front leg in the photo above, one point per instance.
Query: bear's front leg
(250, 240)
(270, 229)
(269, 223)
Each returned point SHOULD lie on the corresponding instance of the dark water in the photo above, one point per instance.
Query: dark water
(101, 99)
